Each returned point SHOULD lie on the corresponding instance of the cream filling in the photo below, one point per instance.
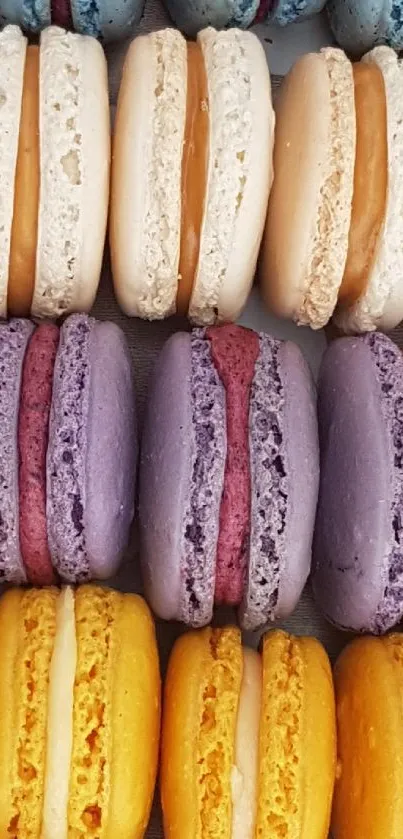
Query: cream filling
(244, 778)
(60, 720)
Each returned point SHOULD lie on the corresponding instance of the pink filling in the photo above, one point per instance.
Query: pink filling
(61, 13)
(33, 424)
(234, 352)
(265, 7)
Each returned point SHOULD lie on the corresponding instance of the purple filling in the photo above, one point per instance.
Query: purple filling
(389, 363)
(67, 451)
(201, 519)
(14, 338)
(269, 487)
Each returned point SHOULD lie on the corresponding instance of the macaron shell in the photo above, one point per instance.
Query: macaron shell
(136, 708)
(359, 25)
(193, 15)
(368, 793)
(354, 535)
(181, 480)
(75, 163)
(284, 456)
(14, 337)
(146, 175)
(27, 622)
(381, 305)
(289, 11)
(166, 450)
(297, 755)
(119, 17)
(12, 62)
(35, 15)
(111, 450)
(33, 422)
(301, 441)
(200, 709)
(310, 202)
(239, 177)
(67, 450)
(117, 670)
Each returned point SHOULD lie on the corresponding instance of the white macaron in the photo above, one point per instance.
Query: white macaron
(54, 172)
(192, 171)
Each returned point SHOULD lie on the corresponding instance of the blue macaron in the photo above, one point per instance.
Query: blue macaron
(109, 20)
(359, 25)
(192, 15)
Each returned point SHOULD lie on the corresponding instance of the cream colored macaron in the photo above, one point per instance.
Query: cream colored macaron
(335, 218)
(192, 170)
(54, 172)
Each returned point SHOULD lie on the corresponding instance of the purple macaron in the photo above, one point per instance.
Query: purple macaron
(229, 477)
(14, 338)
(92, 450)
(358, 545)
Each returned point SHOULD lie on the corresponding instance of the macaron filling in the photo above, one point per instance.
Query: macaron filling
(265, 7)
(244, 776)
(61, 15)
(194, 173)
(24, 230)
(33, 430)
(370, 180)
(59, 740)
(234, 352)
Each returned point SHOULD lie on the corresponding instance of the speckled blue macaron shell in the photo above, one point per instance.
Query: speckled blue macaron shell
(110, 20)
(31, 15)
(192, 15)
(359, 25)
(289, 11)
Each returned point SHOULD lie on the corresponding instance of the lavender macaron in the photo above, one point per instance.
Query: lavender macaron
(92, 450)
(358, 545)
(229, 475)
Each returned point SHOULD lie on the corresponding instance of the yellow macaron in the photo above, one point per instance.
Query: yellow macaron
(368, 799)
(249, 740)
(79, 712)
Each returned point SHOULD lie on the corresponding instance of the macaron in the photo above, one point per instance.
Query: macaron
(359, 25)
(193, 15)
(358, 556)
(248, 740)
(109, 20)
(80, 705)
(337, 198)
(368, 792)
(69, 450)
(228, 477)
(191, 174)
(54, 172)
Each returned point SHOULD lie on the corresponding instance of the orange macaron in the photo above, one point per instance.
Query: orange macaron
(368, 799)
(249, 739)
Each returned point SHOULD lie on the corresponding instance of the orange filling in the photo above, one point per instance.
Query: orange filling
(194, 174)
(370, 180)
(24, 230)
